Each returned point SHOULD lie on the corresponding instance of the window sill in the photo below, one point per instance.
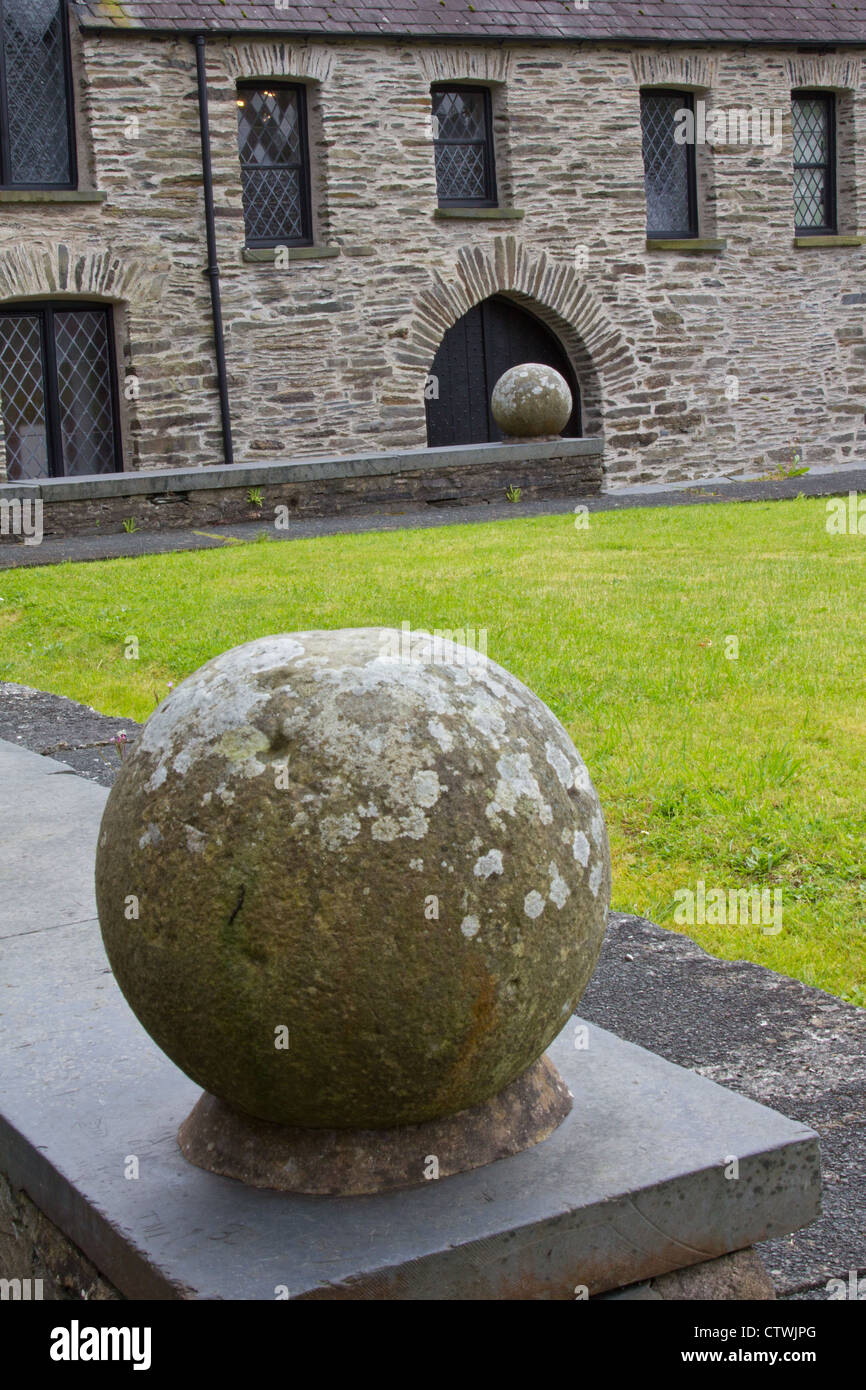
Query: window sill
(479, 214)
(51, 195)
(690, 243)
(810, 242)
(268, 254)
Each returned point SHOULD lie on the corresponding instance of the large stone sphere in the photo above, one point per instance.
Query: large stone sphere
(354, 878)
(531, 401)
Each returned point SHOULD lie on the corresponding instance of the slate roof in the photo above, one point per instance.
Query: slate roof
(691, 21)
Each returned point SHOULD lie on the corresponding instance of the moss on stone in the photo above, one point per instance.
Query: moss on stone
(401, 863)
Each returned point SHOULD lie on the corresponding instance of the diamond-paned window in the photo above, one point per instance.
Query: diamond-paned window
(463, 147)
(275, 170)
(669, 166)
(36, 144)
(57, 397)
(22, 397)
(813, 119)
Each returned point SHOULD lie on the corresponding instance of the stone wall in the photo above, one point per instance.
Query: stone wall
(280, 493)
(331, 353)
(39, 1261)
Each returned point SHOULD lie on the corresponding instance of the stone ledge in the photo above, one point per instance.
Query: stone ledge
(479, 214)
(812, 243)
(267, 254)
(179, 499)
(51, 195)
(35, 1252)
(172, 480)
(695, 243)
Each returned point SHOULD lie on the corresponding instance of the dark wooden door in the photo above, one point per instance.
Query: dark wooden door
(490, 338)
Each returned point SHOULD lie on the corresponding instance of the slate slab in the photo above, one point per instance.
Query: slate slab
(631, 1185)
(48, 823)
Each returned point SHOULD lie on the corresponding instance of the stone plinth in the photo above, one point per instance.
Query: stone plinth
(630, 1186)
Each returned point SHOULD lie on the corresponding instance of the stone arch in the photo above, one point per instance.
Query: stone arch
(833, 72)
(697, 71)
(33, 270)
(465, 64)
(554, 292)
(298, 61)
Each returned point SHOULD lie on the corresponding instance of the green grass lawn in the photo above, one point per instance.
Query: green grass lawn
(746, 772)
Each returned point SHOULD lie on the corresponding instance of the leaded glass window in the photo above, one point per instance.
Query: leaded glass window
(57, 393)
(669, 167)
(463, 146)
(813, 117)
(36, 144)
(275, 173)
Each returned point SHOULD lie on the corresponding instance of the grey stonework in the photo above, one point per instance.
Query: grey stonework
(33, 1248)
(331, 354)
(174, 499)
(738, 1277)
(39, 1260)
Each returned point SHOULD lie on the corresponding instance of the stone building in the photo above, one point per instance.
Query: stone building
(665, 200)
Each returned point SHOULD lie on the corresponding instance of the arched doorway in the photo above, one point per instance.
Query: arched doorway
(484, 343)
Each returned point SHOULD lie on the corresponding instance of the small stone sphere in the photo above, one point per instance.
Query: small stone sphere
(531, 401)
(353, 879)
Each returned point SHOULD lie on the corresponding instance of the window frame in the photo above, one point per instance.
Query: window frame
(831, 226)
(492, 198)
(687, 101)
(72, 138)
(305, 182)
(45, 309)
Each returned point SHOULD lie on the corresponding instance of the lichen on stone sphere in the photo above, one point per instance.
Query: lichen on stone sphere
(371, 878)
(531, 401)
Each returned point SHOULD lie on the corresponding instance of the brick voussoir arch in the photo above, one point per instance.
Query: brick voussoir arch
(555, 292)
(32, 270)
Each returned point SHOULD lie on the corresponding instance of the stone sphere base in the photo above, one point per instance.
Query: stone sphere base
(532, 439)
(354, 1162)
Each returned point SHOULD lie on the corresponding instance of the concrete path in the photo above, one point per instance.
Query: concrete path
(772, 1039)
(818, 482)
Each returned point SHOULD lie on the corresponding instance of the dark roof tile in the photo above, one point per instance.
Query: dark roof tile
(751, 21)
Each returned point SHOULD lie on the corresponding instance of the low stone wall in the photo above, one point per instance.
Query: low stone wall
(38, 1261)
(172, 499)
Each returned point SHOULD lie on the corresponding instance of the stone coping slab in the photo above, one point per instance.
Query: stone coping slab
(48, 820)
(630, 1186)
(327, 468)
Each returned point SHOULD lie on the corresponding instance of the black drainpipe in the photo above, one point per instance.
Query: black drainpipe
(213, 271)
